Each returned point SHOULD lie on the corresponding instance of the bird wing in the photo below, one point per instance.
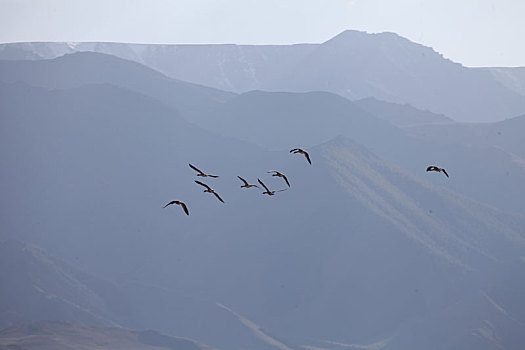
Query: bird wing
(194, 168)
(218, 197)
(263, 185)
(431, 168)
(170, 203)
(294, 150)
(202, 184)
(307, 157)
(281, 190)
(285, 179)
(444, 171)
(185, 208)
(273, 171)
(213, 175)
(243, 180)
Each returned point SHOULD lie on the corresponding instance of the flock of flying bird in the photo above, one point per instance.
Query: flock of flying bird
(245, 184)
(267, 191)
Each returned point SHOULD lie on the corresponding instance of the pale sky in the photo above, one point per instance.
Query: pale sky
(472, 32)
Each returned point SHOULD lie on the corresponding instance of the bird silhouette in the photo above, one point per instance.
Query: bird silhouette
(300, 151)
(209, 190)
(184, 207)
(278, 174)
(438, 169)
(200, 173)
(268, 192)
(246, 184)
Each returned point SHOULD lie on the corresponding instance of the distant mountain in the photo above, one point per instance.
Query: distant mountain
(511, 77)
(75, 70)
(401, 115)
(353, 64)
(506, 135)
(65, 336)
(36, 286)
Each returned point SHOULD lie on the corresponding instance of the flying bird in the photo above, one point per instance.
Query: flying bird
(184, 207)
(246, 184)
(278, 174)
(300, 151)
(209, 190)
(435, 168)
(200, 173)
(268, 192)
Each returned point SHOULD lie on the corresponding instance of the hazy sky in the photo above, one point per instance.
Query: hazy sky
(473, 32)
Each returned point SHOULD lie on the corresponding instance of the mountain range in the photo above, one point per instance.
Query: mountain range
(353, 64)
(365, 249)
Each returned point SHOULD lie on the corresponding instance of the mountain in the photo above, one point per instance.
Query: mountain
(401, 115)
(37, 286)
(506, 135)
(511, 77)
(358, 250)
(388, 67)
(353, 64)
(65, 336)
(75, 70)
(281, 121)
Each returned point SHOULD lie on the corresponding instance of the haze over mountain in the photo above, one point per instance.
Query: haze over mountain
(357, 251)
(277, 120)
(352, 64)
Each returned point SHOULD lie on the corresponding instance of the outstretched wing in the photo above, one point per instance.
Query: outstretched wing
(170, 203)
(285, 179)
(202, 184)
(218, 197)
(185, 208)
(281, 190)
(243, 180)
(431, 168)
(307, 157)
(295, 150)
(213, 175)
(194, 168)
(445, 172)
(263, 185)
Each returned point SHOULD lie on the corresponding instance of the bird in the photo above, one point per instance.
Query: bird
(278, 174)
(438, 169)
(246, 184)
(184, 207)
(300, 151)
(268, 192)
(209, 190)
(200, 173)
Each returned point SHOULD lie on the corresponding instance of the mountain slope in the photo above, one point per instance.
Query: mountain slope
(339, 255)
(39, 287)
(400, 115)
(507, 135)
(277, 120)
(66, 336)
(75, 70)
